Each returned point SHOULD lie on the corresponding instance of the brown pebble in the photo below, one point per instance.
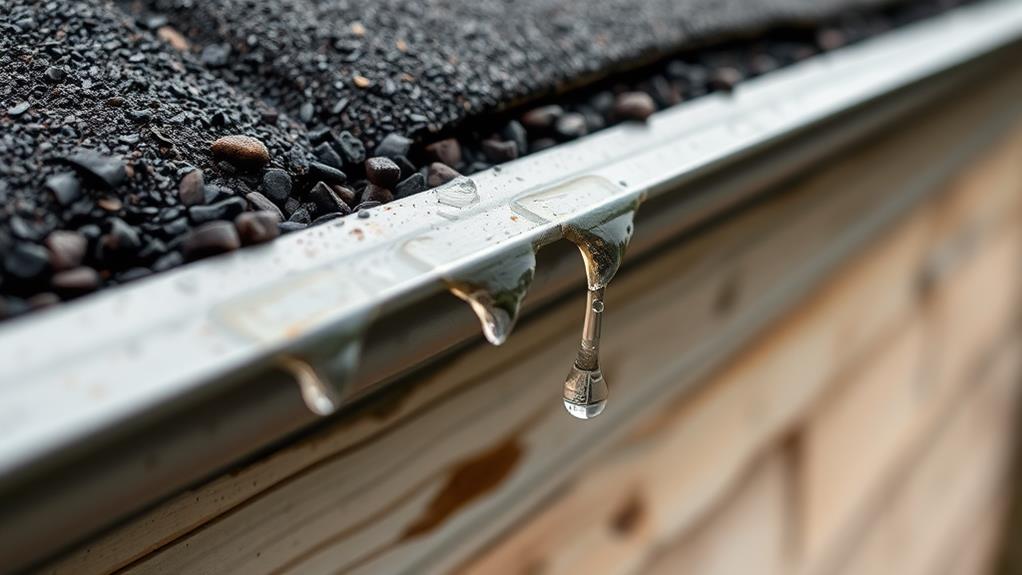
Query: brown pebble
(634, 106)
(361, 81)
(346, 194)
(725, 78)
(210, 239)
(174, 38)
(257, 227)
(500, 151)
(383, 172)
(43, 300)
(374, 193)
(76, 281)
(440, 174)
(445, 151)
(110, 204)
(242, 151)
(67, 249)
(542, 118)
(261, 203)
(190, 191)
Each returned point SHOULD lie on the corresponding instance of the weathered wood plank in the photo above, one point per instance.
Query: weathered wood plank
(948, 487)
(751, 533)
(870, 421)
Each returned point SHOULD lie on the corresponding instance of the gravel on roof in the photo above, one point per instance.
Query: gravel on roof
(140, 135)
(410, 67)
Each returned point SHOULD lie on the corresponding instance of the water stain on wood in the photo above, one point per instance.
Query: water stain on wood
(629, 516)
(468, 481)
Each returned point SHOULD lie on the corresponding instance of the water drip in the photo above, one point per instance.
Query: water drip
(495, 292)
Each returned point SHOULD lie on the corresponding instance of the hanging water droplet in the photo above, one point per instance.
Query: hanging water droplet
(495, 292)
(602, 239)
(324, 370)
(585, 390)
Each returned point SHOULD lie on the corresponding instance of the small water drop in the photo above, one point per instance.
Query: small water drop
(320, 397)
(495, 292)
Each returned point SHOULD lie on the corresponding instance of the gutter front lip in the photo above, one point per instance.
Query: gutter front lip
(88, 367)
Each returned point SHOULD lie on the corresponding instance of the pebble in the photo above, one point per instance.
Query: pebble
(542, 118)
(635, 106)
(393, 145)
(276, 185)
(325, 173)
(120, 242)
(375, 193)
(55, 74)
(190, 190)
(351, 149)
(18, 109)
(257, 227)
(76, 281)
(171, 260)
(407, 167)
(289, 226)
(215, 55)
(26, 261)
(261, 203)
(515, 132)
(213, 193)
(445, 151)
(223, 210)
(67, 249)
(542, 144)
(500, 151)
(440, 174)
(366, 205)
(306, 112)
(65, 187)
(571, 125)
(43, 300)
(108, 204)
(413, 184)
(105, 170)
(725, 78)
(326, 200)
(210, 239)
(326, 155)
(382, 172)
(242, 151)
(301, 216)
(132, 274)
(346, 194)
(326, 218)
(175, 227)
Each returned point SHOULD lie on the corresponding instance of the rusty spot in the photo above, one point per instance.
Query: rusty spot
(468, 481)
(629, 516)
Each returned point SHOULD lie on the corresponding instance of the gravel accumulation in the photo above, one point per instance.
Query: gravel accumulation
(135, 137)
